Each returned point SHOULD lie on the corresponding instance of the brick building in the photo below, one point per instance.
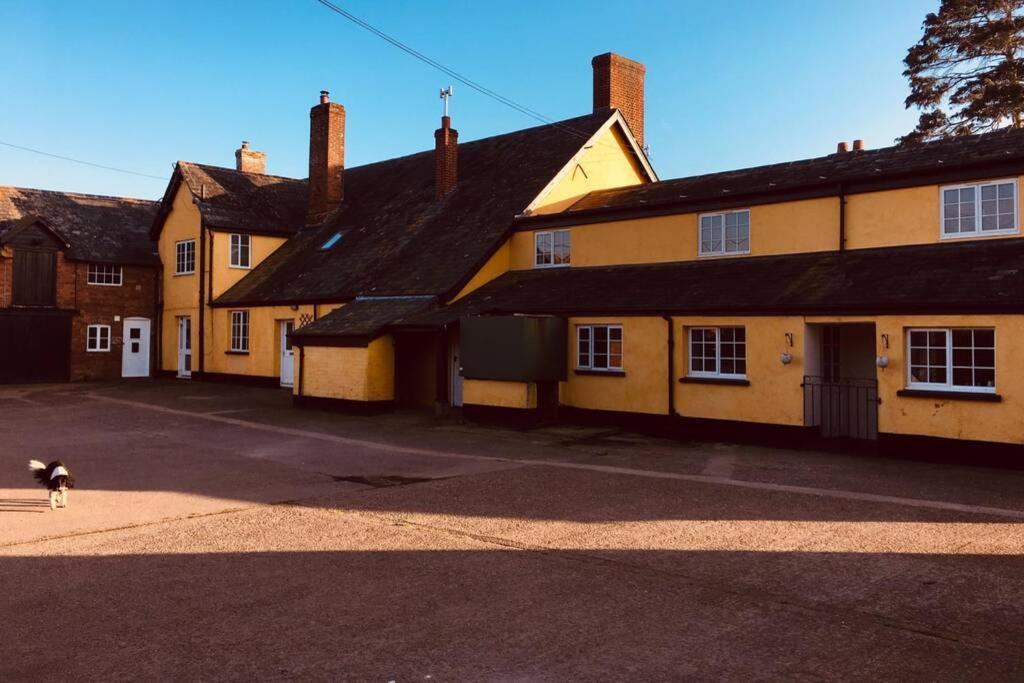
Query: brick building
(78, 286)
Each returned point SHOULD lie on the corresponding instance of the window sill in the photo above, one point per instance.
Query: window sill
(731, 381)
(551, 265)
(979, 234)
(236, 353)
(234, 267)
(184, 274)
(600, 373)
(984, 396)
(103, 284)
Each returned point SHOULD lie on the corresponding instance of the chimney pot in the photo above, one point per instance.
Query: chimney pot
(619, 84)
(446, 158)
(858, 145)
(841, 148)
(249, 160)
(326, 158)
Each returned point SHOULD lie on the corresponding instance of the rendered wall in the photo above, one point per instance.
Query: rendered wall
(349, 373)
(180, 292)
(225, 275)
(485, 392)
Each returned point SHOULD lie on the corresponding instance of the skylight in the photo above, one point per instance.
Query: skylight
(335, 238)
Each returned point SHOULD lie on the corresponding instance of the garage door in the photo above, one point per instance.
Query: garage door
(34, 346)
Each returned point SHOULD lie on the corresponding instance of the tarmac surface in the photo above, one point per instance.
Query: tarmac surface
(218, 533)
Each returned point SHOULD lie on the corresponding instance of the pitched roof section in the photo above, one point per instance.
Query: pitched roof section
(980, 276)
(899, 166)
(357, 323)
(398, 240)
(100, 229)
(244, 202)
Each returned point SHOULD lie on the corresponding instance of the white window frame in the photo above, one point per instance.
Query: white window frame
(105, 271)
(100, 337)
(978, 232)
(552, 235)
(723, 252)
(717, 373)
(948, 384)
(589, 366)
(238, 239)
(181, 250)
(239, 321)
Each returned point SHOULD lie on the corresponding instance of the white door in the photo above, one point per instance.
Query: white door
(135, 347)
(456, 372)
(185, 347)
(287, 354)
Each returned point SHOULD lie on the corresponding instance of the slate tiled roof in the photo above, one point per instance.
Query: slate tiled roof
(875, 166)
(244, 202)
(979, 276)
(362, 319)
(398, 240)
(100, 229)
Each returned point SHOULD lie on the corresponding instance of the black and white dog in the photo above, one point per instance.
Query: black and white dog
(56, 477)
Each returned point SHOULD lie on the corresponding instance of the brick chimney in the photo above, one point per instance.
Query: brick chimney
(446, 157)
(326, 157)
(249, 160)
(619, 84)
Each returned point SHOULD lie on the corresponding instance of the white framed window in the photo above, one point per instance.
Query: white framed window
(718, 352)
(952, 359)
(726, 232)
(97, 338)
(979, 209)
(551, 248)
(103, 274)
(240, 331)
(185, 257)
(599, 347)
(241, 251)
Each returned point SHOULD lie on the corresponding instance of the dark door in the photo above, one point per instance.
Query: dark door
(36, 347)
(35, 278)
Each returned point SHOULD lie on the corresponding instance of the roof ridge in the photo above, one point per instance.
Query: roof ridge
(84, 195)
(245, 173)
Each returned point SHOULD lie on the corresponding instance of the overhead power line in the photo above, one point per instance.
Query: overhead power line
(80, 161)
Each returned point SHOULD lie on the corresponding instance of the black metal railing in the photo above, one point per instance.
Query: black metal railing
(842, 408)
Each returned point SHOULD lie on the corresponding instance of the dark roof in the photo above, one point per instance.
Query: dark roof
(979, 276)
(100, 229)
(398, 240)
(858, 171)
(362, 319)
(244, 202)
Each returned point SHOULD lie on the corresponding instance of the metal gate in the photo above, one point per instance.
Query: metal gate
(845, 408)
(35, 346)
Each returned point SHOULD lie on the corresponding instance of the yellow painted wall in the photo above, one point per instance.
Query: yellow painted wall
(224, 275)
(608, 163)
(497, 265)
(807, 225)
(895, 217)
(180, 292)
(643, 389)
(500, 394)
(349, 373)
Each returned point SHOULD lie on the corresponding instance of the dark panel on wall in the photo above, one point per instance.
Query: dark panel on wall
(35, 278)
(34, 347)
(514, 348)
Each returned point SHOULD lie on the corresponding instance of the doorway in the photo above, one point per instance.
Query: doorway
(841, 387)
(456, 373)
(184, 347)
(135, 347)
(287, 354)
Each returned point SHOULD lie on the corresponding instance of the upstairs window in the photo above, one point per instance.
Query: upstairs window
(718, 352)
(551, 248)
(599, 347)
(240, 331)
(979, 209)
(723, 233)
(241, 250)
(952, 359)
(100, 274)
(185, 257)
(97, 338)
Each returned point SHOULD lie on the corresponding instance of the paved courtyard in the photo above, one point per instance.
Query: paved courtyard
(218, 533)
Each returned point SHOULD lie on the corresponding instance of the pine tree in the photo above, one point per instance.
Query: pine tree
(969, 63)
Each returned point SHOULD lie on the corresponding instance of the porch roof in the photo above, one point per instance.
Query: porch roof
(358, 322)
(953, 277)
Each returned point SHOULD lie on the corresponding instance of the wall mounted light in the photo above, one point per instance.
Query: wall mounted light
(295, 307)
(786, 358)
(882, 362)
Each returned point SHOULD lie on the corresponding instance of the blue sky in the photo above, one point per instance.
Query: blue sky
(138, 85)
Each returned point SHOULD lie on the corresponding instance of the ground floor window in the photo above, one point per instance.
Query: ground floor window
(599, 347)
(97, 338)
(239, 330)
(718, 352)
(955, 359)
